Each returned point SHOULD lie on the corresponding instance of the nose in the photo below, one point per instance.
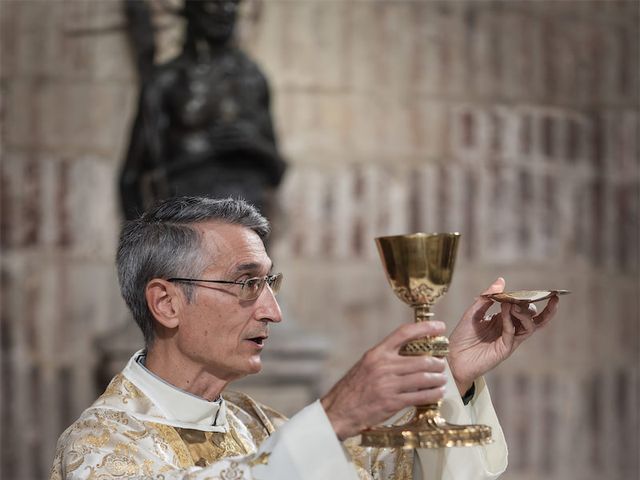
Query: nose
(268, 308)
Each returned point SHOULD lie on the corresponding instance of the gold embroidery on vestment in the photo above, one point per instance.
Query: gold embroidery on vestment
(404, 464)
(119, 465)
(125, 448)
(132, 391)
(232, 473)
(210, 447)
(121, 387)
(171, 437)
(97, 441)
(74, 464)
(114, 386)
(147, 467)
(261, 459)
(261, 425)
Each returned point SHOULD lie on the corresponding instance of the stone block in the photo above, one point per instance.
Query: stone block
(316, 35)
(327, 29)
(20, 114)
(13, 177)
(94, 42)
(85, 118)
(314, 128)
(426, 50)
(364, 126)
(363, 72)
(394, 47)
(57, 105)
(427, 205)
(93, 219)
(9, 35)
(515, 53)
(114, 58)
(472, 132)
(451, 65)
(263, 34)
(482, 51)
(511, 124)
(110, 116)
(427, 130)
(31, 38)
(50, 192)
(396, 131)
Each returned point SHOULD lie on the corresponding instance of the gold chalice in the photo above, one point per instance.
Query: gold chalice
(419, 268)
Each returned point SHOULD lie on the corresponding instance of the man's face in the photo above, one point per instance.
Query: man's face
(218, 331)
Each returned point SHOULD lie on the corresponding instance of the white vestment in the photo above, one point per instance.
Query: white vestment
(143, 427)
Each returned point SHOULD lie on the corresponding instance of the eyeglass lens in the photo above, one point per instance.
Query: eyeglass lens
(253, 287)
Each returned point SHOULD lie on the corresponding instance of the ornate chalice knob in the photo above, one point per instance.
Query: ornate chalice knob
(419, 268)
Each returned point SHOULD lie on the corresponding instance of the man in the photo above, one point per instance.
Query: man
(195, 274)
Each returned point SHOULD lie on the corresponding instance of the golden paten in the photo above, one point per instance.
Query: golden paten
(524, 297)
(419, 268)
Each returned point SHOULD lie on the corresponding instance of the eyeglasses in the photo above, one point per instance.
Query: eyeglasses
(251, 287)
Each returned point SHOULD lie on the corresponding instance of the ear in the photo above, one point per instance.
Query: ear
(164, 301)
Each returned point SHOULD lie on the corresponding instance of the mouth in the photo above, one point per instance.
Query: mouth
(258, 340)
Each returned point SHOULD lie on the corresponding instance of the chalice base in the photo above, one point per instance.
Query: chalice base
(433, 432)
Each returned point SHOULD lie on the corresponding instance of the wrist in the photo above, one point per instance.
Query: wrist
(343, 428)
(463, 384)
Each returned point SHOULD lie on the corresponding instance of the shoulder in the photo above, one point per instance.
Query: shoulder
(94, 433)
(246, 408)
(96, 427)
(114, 442)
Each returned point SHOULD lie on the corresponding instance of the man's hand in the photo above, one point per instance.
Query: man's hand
(383, 382)
(479, 343)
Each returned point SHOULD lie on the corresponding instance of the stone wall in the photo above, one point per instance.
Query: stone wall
(515, 123)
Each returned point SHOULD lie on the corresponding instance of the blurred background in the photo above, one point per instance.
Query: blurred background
(515, 123)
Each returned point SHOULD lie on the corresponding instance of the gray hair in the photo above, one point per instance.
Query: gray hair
(163, 243)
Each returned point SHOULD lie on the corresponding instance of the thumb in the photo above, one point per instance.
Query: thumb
(482, 303)
(496, 287)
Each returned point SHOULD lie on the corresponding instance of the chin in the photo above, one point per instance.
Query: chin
(254, 367)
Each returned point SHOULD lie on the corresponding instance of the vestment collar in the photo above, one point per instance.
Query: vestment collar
(175, 404)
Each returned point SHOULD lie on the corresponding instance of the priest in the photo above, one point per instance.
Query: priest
(195, 274)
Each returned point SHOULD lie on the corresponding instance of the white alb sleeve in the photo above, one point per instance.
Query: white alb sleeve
(465, 463)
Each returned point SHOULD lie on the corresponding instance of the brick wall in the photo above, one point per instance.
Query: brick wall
(515, 123)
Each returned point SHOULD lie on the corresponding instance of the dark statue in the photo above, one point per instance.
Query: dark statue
(203, 125)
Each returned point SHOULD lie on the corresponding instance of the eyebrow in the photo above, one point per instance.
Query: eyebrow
(250, 267)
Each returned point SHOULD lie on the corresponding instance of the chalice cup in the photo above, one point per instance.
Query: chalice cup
(419, 268)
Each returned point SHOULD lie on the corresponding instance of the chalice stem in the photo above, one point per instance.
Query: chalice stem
(436, 346)
(422, 313)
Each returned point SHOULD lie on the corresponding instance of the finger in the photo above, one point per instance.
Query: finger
(420, 381)
(525, 316)
(494, 317)
(422, 397)
(482, 304)
(496, 287)
(423, 363)
(548, 313)
(530, 309)
(412, 331)
(508, 328)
